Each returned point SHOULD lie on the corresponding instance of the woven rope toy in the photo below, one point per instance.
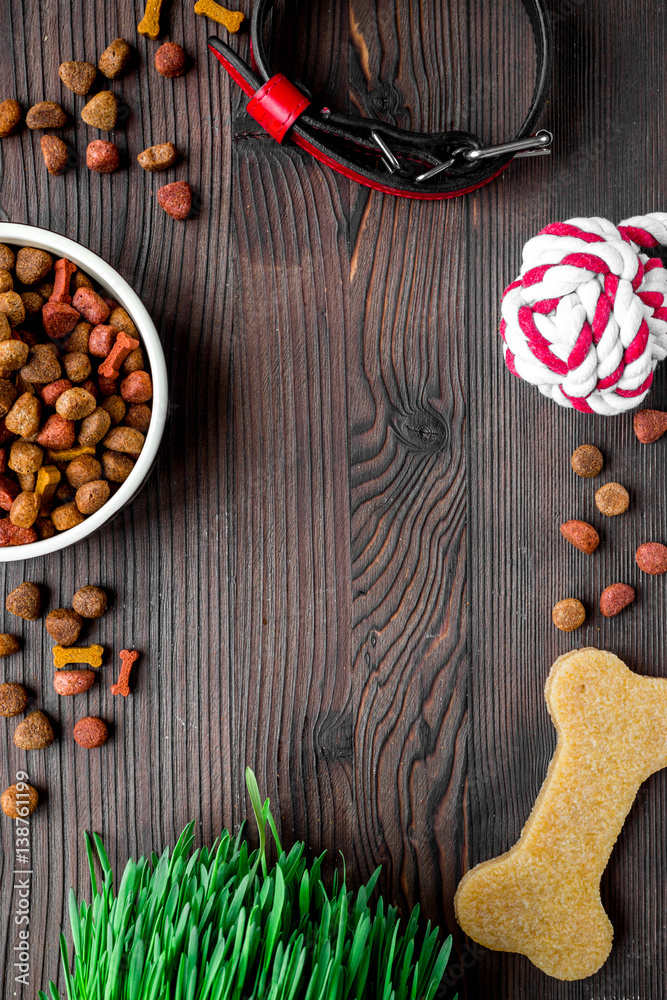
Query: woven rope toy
(586, 320)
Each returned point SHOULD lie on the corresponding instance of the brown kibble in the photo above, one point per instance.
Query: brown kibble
(170, 60)
(45, 527)
(19, 801)
(25, 457)
(45, 114)
(8, 644)
(150, 22)
(156, 158)
(83, 470)
(75, 404)
(67, 516)
(78, 76)
(134, 362)
(78, 341)
(10, 117)
(6, 282)
(11, 304)
(230, 19)
(91, 496)
(612, 499)
(115, 59)
(650, 425)
(569, 614)
(616, 597)
(27, 480)
(25, 602)
(117, 467)
(90, 601)
(59, 319)
(139, 417)
(32, 303)
(115, 407)
(77, 366)
(120, 319)
(7, 257)
(7, 396)
(43, 366)
(124, 439)
(71, 682)
(101, 111)
(81, 280)
(587, 461)
(25, 509)
(55, 153)
(651, 558)
(94, 427)
(34, 733)
(176, 199)
(24, 416)
(580, 534)
(5, 328)
(102, 157)
(13, 699)
(90, 733)
(63, 625)
(58, 434)
(137, 387)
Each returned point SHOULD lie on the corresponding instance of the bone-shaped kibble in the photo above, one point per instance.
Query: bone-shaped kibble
(128, 658)
(92, 655)
(542, 898)
(230, 19)
(150, 22)
(110, 367)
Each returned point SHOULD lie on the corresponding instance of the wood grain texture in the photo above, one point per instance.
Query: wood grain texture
(342, 569)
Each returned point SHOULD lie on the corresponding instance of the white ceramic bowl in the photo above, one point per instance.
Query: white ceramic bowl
(59, 246)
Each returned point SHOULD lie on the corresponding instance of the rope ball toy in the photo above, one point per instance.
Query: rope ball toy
(586, 320)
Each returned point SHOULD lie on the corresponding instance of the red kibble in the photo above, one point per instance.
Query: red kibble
(107, 386)
(5, 435)
(137, 388)
(3, 460)
(102, 156)
(59, 319)
(90, 387)
(9, 490)
(91, 305)
(101, 340)
(52, 390)
(57, 433)
(64, 270)
(11, 535)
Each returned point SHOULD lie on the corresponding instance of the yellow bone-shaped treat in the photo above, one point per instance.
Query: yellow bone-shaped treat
(542, 898)
(230, 19)
(92, 655)
(48, 479)
(150, 22)
(69, 453)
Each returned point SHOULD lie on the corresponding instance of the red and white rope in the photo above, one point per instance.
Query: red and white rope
(586, 320)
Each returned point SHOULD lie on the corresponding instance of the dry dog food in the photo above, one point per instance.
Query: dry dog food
(68, 374)
(13, 700)
(230, 19)
(542, 898)
(158, 157)
(19, 800)
(34, 733)
(91, 733)
(580, 534)
(25, 601)
(8, 644)
(150, 22)
(71, 682)
(101, 111)
(128, 659)
(92, 655)
(46, 114)
(650, 425)
(616, 597)
(102, 157)
(63, 625)
(176, 199)
(56, 156)
(651, 557)
(90, 602)
(10, 117)
(612, 499)
(587, 461)
(78, 76)
(170, 60)
(568, 615)
(115, 59)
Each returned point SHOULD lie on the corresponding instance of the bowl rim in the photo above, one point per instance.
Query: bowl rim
(105, 275)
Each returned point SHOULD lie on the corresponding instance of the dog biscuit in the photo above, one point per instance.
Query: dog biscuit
(92, 655)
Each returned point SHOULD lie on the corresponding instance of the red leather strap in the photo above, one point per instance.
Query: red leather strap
(277, 105)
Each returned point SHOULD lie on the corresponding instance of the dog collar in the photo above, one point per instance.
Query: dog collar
(396, 161)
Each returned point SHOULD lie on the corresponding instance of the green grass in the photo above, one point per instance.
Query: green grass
(219, 925)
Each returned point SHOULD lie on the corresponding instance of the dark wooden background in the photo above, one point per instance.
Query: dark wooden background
(342, 570)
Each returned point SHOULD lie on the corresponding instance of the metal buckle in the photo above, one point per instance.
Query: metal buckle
(533, 145)
(388, 158)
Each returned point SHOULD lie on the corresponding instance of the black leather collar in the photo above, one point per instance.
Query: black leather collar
(375, 153)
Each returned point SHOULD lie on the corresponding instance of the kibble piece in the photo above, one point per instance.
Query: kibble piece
(63, 625)
(10, 534)
(24, 417)
(107, 386)
(77, 366)
(91, 496)
(45, 114)
(10, 117)
(25, 602)
(90, 601)
(115, 59)
(134, 362)
(78, 341)
(34, 733)
(650, 425)
(33, 303)
(9, 490)
(48, 480)
(612, 499)
(9, 644)
(58, 319)
(581, 534)
(651, 557)
(27, 480)
(43, 366)
(101, 340)
(124, 439)
(157, 158)
(587, 461)
(32, 265)
(102, 157)
(81, 280)
(176, 199)
(45, 527)
(170, 60)
(67, 516)
(19, 801)
(120, 319)
(75, 404)
(7, 257)
(101, 111)
(78, 76)
(83, 470)
(117, 467)
(7, 396)
(137, 387)
(55, 153)
(115, 407)
(90, 733)
(71, 682)
(11, 304)
(94, 427)
(139, 417)
(25, 510)
(91, 306)
(616, 597)
(13, 700)
(25, 457)
(568, 615)
(5, 328)
(6, 282)
(57, 434)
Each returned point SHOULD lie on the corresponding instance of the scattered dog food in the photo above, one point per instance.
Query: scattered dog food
(651, 558)
(102, 157)
(34, 733)
(150, 22)
(13, 700)
(19, 800)
(616, 597)
(78, 76)
(587, 461)
(25, 601)
(159, 157)
(10, 117)
(650, 425)
(101, 111)
(568, 615)
(176, 199)
(71, 682)
(55, 153)
(128, 659)
(230, 19)
(8, 644)
(92, 655)
(46, 114)
(580, 534)
(91, 733)
(115, 59)
(170, 60)
(612, 499)
(63, 625)
(90, 602)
